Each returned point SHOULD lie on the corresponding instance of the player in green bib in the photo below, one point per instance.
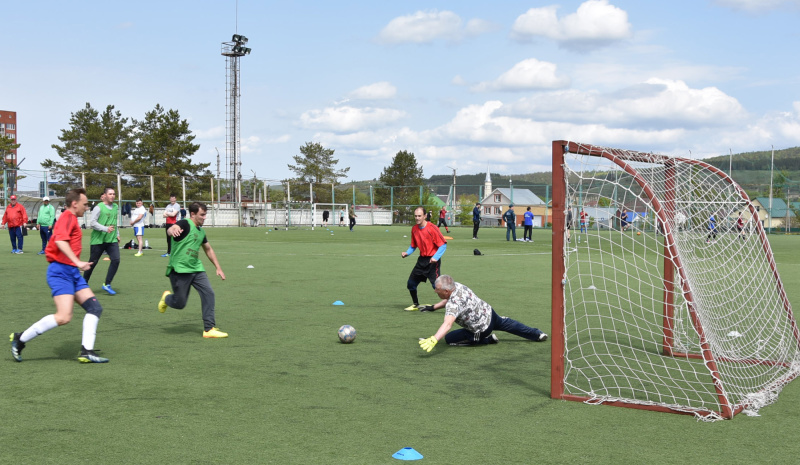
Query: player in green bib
(105, 237)
(185, 270)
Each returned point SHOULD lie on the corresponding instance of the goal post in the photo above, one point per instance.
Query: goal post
(659, 308)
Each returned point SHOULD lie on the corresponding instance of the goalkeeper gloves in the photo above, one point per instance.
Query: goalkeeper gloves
(426, 308)
(428, 344)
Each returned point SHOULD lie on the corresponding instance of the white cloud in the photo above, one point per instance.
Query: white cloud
(476, 27)
(757, 6)
(282, 139)
(349, 119)
(427, 26)
(250, 144)
(655, 103)
(780, 125)
(526, 75)
(211, 133)
(377, 91)
(593, 25)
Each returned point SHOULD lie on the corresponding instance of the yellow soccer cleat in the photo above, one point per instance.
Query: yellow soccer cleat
(214, 333)
(162, 304)
(414, 308)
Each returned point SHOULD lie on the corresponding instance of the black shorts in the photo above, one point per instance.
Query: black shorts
(442, 222)
(424, 270)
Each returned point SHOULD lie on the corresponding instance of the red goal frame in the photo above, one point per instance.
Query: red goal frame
(672, 265)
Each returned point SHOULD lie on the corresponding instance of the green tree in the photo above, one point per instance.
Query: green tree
(7, 145)
(405, 175)
(95, 143)
(465, 204)
(779, 182)
(162, 146)
(315, 164)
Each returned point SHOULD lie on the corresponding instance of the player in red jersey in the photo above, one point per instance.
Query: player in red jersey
(431, 244)
(68, 286)
(443, 220)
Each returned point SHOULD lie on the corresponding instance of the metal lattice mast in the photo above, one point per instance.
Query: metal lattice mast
(232, 51)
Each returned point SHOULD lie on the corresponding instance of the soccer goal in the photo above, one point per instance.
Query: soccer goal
(674, 312)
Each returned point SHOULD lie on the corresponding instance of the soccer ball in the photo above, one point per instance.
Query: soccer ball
(347, 334)
(638, 233)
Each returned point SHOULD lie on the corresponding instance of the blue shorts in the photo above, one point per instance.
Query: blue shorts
(64, 279)
(138, 230)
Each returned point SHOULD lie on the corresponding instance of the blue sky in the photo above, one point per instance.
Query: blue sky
(461, 84)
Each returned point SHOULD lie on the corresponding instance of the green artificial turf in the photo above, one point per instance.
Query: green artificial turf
(282, 389)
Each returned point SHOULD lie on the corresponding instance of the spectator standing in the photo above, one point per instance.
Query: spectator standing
(476, 220)
(16, 217)
(511, 223)
(527, 222)
(45, 221)
(583, 218)
(137, 221)
(171, 212)
(569, 224)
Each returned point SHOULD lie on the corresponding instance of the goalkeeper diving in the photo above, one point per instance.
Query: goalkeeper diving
(476, 317)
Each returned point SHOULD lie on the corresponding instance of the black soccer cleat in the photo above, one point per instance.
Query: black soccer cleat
(16, 346)
(88, 356)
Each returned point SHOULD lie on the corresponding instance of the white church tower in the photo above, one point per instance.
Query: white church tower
(487, 184)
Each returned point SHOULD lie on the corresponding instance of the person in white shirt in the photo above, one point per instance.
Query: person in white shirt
(171, 212)
(137, 221)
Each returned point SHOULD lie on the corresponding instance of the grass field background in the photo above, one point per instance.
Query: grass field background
(282, 389)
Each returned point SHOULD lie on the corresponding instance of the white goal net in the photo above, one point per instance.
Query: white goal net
(668, 295)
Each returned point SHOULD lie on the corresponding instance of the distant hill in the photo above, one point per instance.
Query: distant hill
(750, 169)
(473, 183)
(786, 159)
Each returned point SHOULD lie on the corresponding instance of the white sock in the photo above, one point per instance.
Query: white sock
(89, 331)
(40, 327)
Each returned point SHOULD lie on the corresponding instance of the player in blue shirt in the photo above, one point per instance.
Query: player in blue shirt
(527, 222)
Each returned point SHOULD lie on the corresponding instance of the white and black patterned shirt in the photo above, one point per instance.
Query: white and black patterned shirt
(470, 311)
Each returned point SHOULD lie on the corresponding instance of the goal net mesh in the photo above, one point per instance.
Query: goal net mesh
(728, 337)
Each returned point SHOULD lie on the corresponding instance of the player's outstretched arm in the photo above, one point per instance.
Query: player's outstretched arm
(428, 344)
(213, 257)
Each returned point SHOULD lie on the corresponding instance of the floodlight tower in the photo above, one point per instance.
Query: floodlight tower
(232, 51)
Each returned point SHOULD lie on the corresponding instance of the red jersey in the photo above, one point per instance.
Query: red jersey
(583, 217)
(66, 229)
(427, 239)
(442, 213)
(15, 215)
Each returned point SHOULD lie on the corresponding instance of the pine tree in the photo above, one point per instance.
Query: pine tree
(405, 176)
(163, 147)
(94, 144)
